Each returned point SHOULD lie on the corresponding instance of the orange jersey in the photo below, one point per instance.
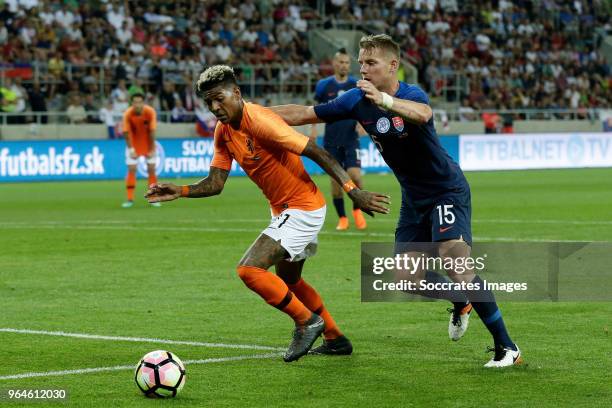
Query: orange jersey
(139, 128)
(268, 150)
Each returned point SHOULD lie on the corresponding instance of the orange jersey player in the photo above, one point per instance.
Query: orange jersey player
(139, 124)
(269, 151)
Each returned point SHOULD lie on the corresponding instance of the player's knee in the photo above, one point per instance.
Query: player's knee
(245, 273)
(459, 251)
(410, 275)
(453, 248)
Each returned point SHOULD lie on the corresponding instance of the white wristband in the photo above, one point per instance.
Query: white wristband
(387, 101)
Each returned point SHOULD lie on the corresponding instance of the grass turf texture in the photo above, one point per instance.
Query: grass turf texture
(73, 260)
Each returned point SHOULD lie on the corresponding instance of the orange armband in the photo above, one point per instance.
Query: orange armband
(184, 191)
(349, 186)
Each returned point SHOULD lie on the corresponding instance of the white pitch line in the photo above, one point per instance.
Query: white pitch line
(264, 221)
(138, 339)
(364, 234)
(131, 367)
(560, 222)
(176, 229)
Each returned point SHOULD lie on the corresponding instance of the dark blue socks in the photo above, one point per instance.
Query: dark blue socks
(339, 204)
(491, 316)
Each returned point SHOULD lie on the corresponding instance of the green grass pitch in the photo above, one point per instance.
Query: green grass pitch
(72, 260)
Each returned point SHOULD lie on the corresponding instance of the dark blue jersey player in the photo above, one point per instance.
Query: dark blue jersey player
(436, 203)
(340, 138)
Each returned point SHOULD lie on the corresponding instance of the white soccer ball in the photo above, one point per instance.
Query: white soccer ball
(160, 374)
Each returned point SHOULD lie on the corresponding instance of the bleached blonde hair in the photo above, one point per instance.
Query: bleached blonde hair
(213, 76)
(380, 41)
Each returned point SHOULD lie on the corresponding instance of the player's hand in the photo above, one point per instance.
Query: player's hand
(132, 153)
(371, 92)
(162, 192)
(370, 202)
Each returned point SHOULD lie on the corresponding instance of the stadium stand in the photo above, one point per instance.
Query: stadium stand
(479, 54)
(501, 54)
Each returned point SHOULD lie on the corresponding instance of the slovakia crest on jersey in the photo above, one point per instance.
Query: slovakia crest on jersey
(398, 123)
(383, 125)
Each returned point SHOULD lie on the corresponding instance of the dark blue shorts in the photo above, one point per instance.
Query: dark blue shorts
(347, 154)
(445, 217)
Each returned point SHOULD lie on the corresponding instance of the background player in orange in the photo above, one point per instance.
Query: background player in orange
(139, 124)
(269, 152)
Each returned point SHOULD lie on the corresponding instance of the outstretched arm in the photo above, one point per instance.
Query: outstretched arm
(296, 115)
(367, 201)
(209, 186)
(414, 112)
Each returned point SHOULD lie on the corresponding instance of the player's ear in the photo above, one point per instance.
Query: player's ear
(236, 92)
(394, 65)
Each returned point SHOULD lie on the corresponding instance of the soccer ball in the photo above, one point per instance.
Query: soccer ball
(160, 374)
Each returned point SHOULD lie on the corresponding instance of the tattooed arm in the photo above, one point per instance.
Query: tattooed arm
(365, 200)
(209, 186)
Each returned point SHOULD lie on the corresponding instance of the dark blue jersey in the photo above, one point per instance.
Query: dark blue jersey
(414, 153)
(339, 133)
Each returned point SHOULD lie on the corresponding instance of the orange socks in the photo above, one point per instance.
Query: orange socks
(130, 184)
(312, 300)
(152, 178)
(274, 291)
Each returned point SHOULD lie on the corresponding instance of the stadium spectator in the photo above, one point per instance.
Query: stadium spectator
(124, 34)
(46, 14)
(64, 16)
(507, 120)
(92, 106)
(21, 94)
(223, 51)
(55, 67)
(179, 113)
(76, 111)
(107, 116)
(37, 100)
(168, 97)
(120, 93)
(466, 112)
(491, 119)
(9, 100)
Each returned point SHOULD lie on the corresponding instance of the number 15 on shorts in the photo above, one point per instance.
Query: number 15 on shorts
(445, 214)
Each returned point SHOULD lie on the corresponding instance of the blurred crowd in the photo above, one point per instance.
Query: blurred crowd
(486, 54)
(500, 54)
(158, 47)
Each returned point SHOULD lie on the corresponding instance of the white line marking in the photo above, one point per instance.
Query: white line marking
(138, 339)
(264, 221)
(560, 222)
(131, 367)
(177, 229)
(364, 234)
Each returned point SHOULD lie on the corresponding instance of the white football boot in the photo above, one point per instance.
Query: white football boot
(458, 322)
(504, 357)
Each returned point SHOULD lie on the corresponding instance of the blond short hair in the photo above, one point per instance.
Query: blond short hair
(382, 42)
(214, 76)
